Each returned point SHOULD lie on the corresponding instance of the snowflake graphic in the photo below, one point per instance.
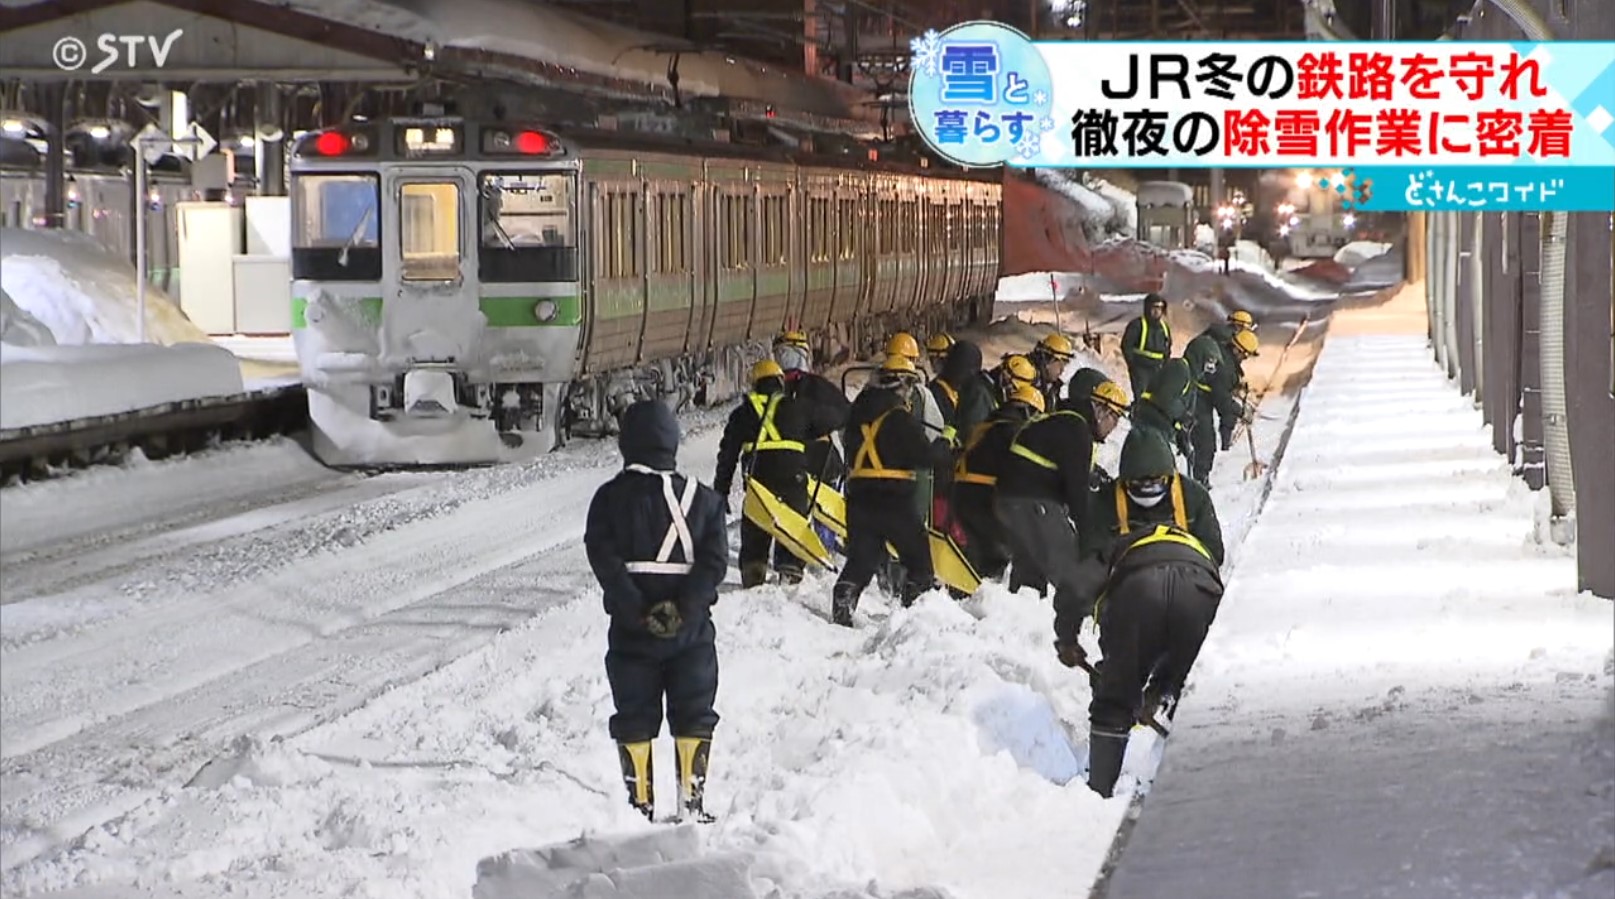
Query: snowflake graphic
(1354, 193)
(1028, 148)
(1046, 123)
(927, 52)
(1040, 98)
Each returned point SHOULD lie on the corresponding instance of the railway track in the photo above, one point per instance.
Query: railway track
(43, 451)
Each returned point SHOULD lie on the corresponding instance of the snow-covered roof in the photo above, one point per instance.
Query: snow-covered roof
(561, 37)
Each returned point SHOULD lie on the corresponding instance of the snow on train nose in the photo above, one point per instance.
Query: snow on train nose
(429, 393)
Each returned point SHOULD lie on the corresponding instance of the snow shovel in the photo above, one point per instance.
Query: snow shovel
(829, 507)
(1256, 467)
(949, 562)
(785, 524)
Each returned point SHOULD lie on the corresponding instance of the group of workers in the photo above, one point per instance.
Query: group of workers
(1001, 460)
(1194, 400)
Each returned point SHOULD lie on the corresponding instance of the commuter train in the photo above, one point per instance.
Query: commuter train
(470, 291)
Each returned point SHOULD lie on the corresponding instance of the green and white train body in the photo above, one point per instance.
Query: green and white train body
(469, 292)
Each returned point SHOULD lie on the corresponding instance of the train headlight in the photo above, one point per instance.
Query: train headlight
(545, 310)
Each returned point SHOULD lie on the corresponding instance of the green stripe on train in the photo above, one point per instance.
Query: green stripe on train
(501, 312)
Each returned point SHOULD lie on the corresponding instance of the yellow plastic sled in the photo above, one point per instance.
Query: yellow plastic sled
(949, 562)
(785, 524)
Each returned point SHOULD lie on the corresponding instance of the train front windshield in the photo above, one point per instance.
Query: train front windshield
(336, 227)
(529, 230)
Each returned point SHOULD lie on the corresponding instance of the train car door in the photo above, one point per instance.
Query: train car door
(429, 303)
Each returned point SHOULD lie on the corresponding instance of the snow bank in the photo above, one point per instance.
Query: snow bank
(46, 384)
(1359, 251)
(84, 293)
(18, 328)
(1196, 261)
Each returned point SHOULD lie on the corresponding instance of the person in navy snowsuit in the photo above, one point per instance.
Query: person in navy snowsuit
(658, 544)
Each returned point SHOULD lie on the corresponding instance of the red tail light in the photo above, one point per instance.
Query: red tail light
(532, 143)
(331, 143)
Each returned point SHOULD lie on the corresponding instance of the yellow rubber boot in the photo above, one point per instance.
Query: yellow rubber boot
(637, 774)
(693, 753)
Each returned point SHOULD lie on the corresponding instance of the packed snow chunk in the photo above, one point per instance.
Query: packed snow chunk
(48, 384)
(82, 292)
(18, 328)
(638, 866)
(1019, 721)
(251, 762)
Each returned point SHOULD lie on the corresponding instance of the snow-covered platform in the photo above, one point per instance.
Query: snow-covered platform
(1403, 695)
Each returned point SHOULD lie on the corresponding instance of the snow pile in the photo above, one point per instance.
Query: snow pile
(1106, 209)
(1254, 264)
(82, 292)
(1399, 649)
(1035, 286)
(1357, 252)
(47, 384)
(18, 328)
(1124, 203)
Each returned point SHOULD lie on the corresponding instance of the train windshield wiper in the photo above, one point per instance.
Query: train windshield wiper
(364, 221)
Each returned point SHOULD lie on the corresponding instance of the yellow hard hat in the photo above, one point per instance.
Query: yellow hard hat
(903, 344)
(1242, 319)
(1109, 394)
(1028, 394)
(1058, 345)
(897, 363)
(938, 343)
(792, 338)
(1020, 369)
(1245, 343)
(766, 369)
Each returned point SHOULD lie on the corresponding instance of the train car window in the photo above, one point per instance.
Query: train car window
(336, 228)
(529, 230)
(429, 231)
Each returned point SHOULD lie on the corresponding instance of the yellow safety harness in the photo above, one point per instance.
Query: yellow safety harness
(1179, 516)
(768, 436)
(866, 462)
(1144, 338)
(1035, 458)
(961, 471)
(953, 395)
(1165, 533)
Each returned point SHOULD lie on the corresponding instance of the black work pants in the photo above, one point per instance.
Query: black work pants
(1042, 542)
(1139, 376)
(876, 518)
(1152, 623)
(644, 671)
(985, 546)
(1204, 441)
(754, 541)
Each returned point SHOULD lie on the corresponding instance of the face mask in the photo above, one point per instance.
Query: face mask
(1147, 495)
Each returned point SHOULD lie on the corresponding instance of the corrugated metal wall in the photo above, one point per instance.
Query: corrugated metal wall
(1483, 280)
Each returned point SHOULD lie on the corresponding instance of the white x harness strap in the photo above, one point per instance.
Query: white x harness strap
(678, 533)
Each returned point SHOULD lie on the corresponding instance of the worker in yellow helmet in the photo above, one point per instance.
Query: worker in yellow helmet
(1223, 333)
(823, 404)
(886, 451)
(975, 480)
(921, 402)
(1012, 371)
(767, 437)
(1147, 343)
(1044, 486)
(936, 350)
(1214, 382)
(1051, 356)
